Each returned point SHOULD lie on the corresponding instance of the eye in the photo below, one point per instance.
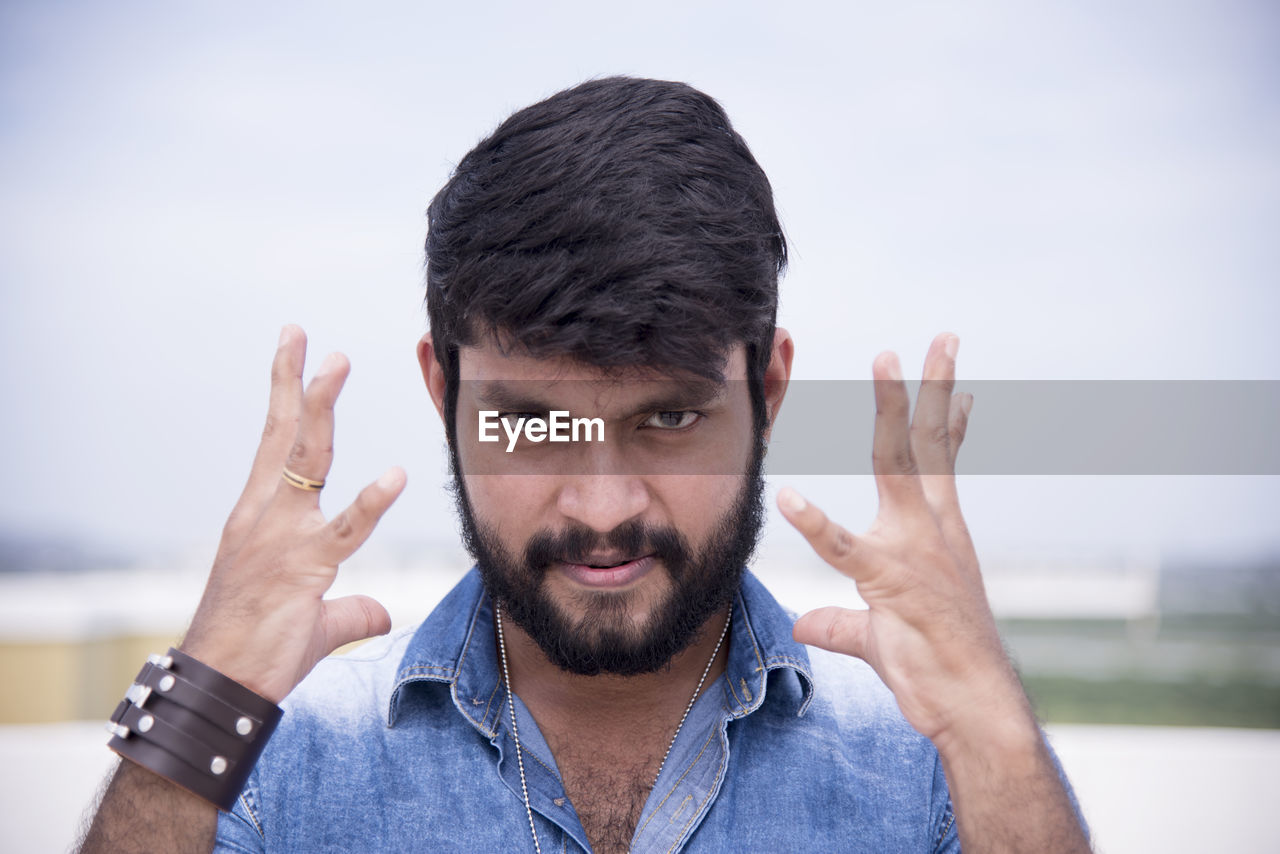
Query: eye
(673, 420)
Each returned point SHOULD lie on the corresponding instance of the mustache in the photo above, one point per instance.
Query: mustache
(632, 539)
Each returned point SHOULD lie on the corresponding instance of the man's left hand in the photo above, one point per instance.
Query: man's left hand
(928, 630)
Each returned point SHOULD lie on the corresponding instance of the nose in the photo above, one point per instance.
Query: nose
(602, 502)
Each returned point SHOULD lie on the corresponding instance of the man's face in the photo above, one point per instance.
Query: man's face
(609, 554)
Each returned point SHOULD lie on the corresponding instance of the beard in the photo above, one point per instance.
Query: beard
(603, 638)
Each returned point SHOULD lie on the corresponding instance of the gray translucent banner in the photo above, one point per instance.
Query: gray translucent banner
(1064, 427)
(1031, 427)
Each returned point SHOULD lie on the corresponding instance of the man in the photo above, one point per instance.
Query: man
(609, 678)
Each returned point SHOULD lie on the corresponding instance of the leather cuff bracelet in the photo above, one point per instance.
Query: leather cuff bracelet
(191, 725)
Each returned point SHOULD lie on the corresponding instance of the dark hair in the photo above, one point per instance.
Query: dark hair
(622, 223)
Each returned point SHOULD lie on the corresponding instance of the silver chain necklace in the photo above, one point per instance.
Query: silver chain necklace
(515, 733)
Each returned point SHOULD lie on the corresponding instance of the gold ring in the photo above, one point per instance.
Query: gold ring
(304, 483)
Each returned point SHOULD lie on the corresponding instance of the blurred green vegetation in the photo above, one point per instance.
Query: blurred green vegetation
(1061, 699)
(1177, 669)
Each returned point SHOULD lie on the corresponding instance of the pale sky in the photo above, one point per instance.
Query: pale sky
(1079, 190)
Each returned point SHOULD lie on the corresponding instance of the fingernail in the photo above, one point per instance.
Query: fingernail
(894, 368)
(791, 500)
(390, 479)
(953, 345)
(330, 363)
(284, 333)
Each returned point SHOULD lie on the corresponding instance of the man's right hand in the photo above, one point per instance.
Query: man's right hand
(263, 620)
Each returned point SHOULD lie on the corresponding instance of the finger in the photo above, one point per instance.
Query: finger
(312, 450)
(347, 531)
(950, 519)
(892, 460)
(283, 413)
(930, 434)
(835, 629)
(352, 618)
(832, 542)
(958, 420)
(931, 427)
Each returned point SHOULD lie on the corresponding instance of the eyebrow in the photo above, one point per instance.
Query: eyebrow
(683, 394)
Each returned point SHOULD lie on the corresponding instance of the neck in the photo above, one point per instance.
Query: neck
(616, 701)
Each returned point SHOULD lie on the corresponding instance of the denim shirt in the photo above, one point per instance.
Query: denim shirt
(405, 745)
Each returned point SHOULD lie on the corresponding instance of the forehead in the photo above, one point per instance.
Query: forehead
(487, 361)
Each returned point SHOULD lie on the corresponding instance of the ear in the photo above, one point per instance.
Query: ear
(777, 375)
(432, 373)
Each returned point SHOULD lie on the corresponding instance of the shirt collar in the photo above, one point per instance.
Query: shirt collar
(455, 646)
(761, 644)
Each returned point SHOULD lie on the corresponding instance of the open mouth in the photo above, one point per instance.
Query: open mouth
(608, 570)
(597, 561)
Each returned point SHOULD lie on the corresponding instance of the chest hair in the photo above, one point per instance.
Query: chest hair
(608, 791)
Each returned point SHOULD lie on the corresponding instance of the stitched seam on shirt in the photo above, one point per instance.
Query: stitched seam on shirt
(466, 647)
(728, 683)
(724, 758)
(945, 830)
(528, 752)
(423, 668)
(787, 659)
(679, 780)
(253, 818)
(802, 668)
(742, 707)
(755, 647)
(489, 704)
(413, 674)
(462, 656)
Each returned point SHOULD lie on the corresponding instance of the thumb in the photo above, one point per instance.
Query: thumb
(353, 618)
(835, 629)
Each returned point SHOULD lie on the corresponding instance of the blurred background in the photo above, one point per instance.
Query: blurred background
(1080, 191)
